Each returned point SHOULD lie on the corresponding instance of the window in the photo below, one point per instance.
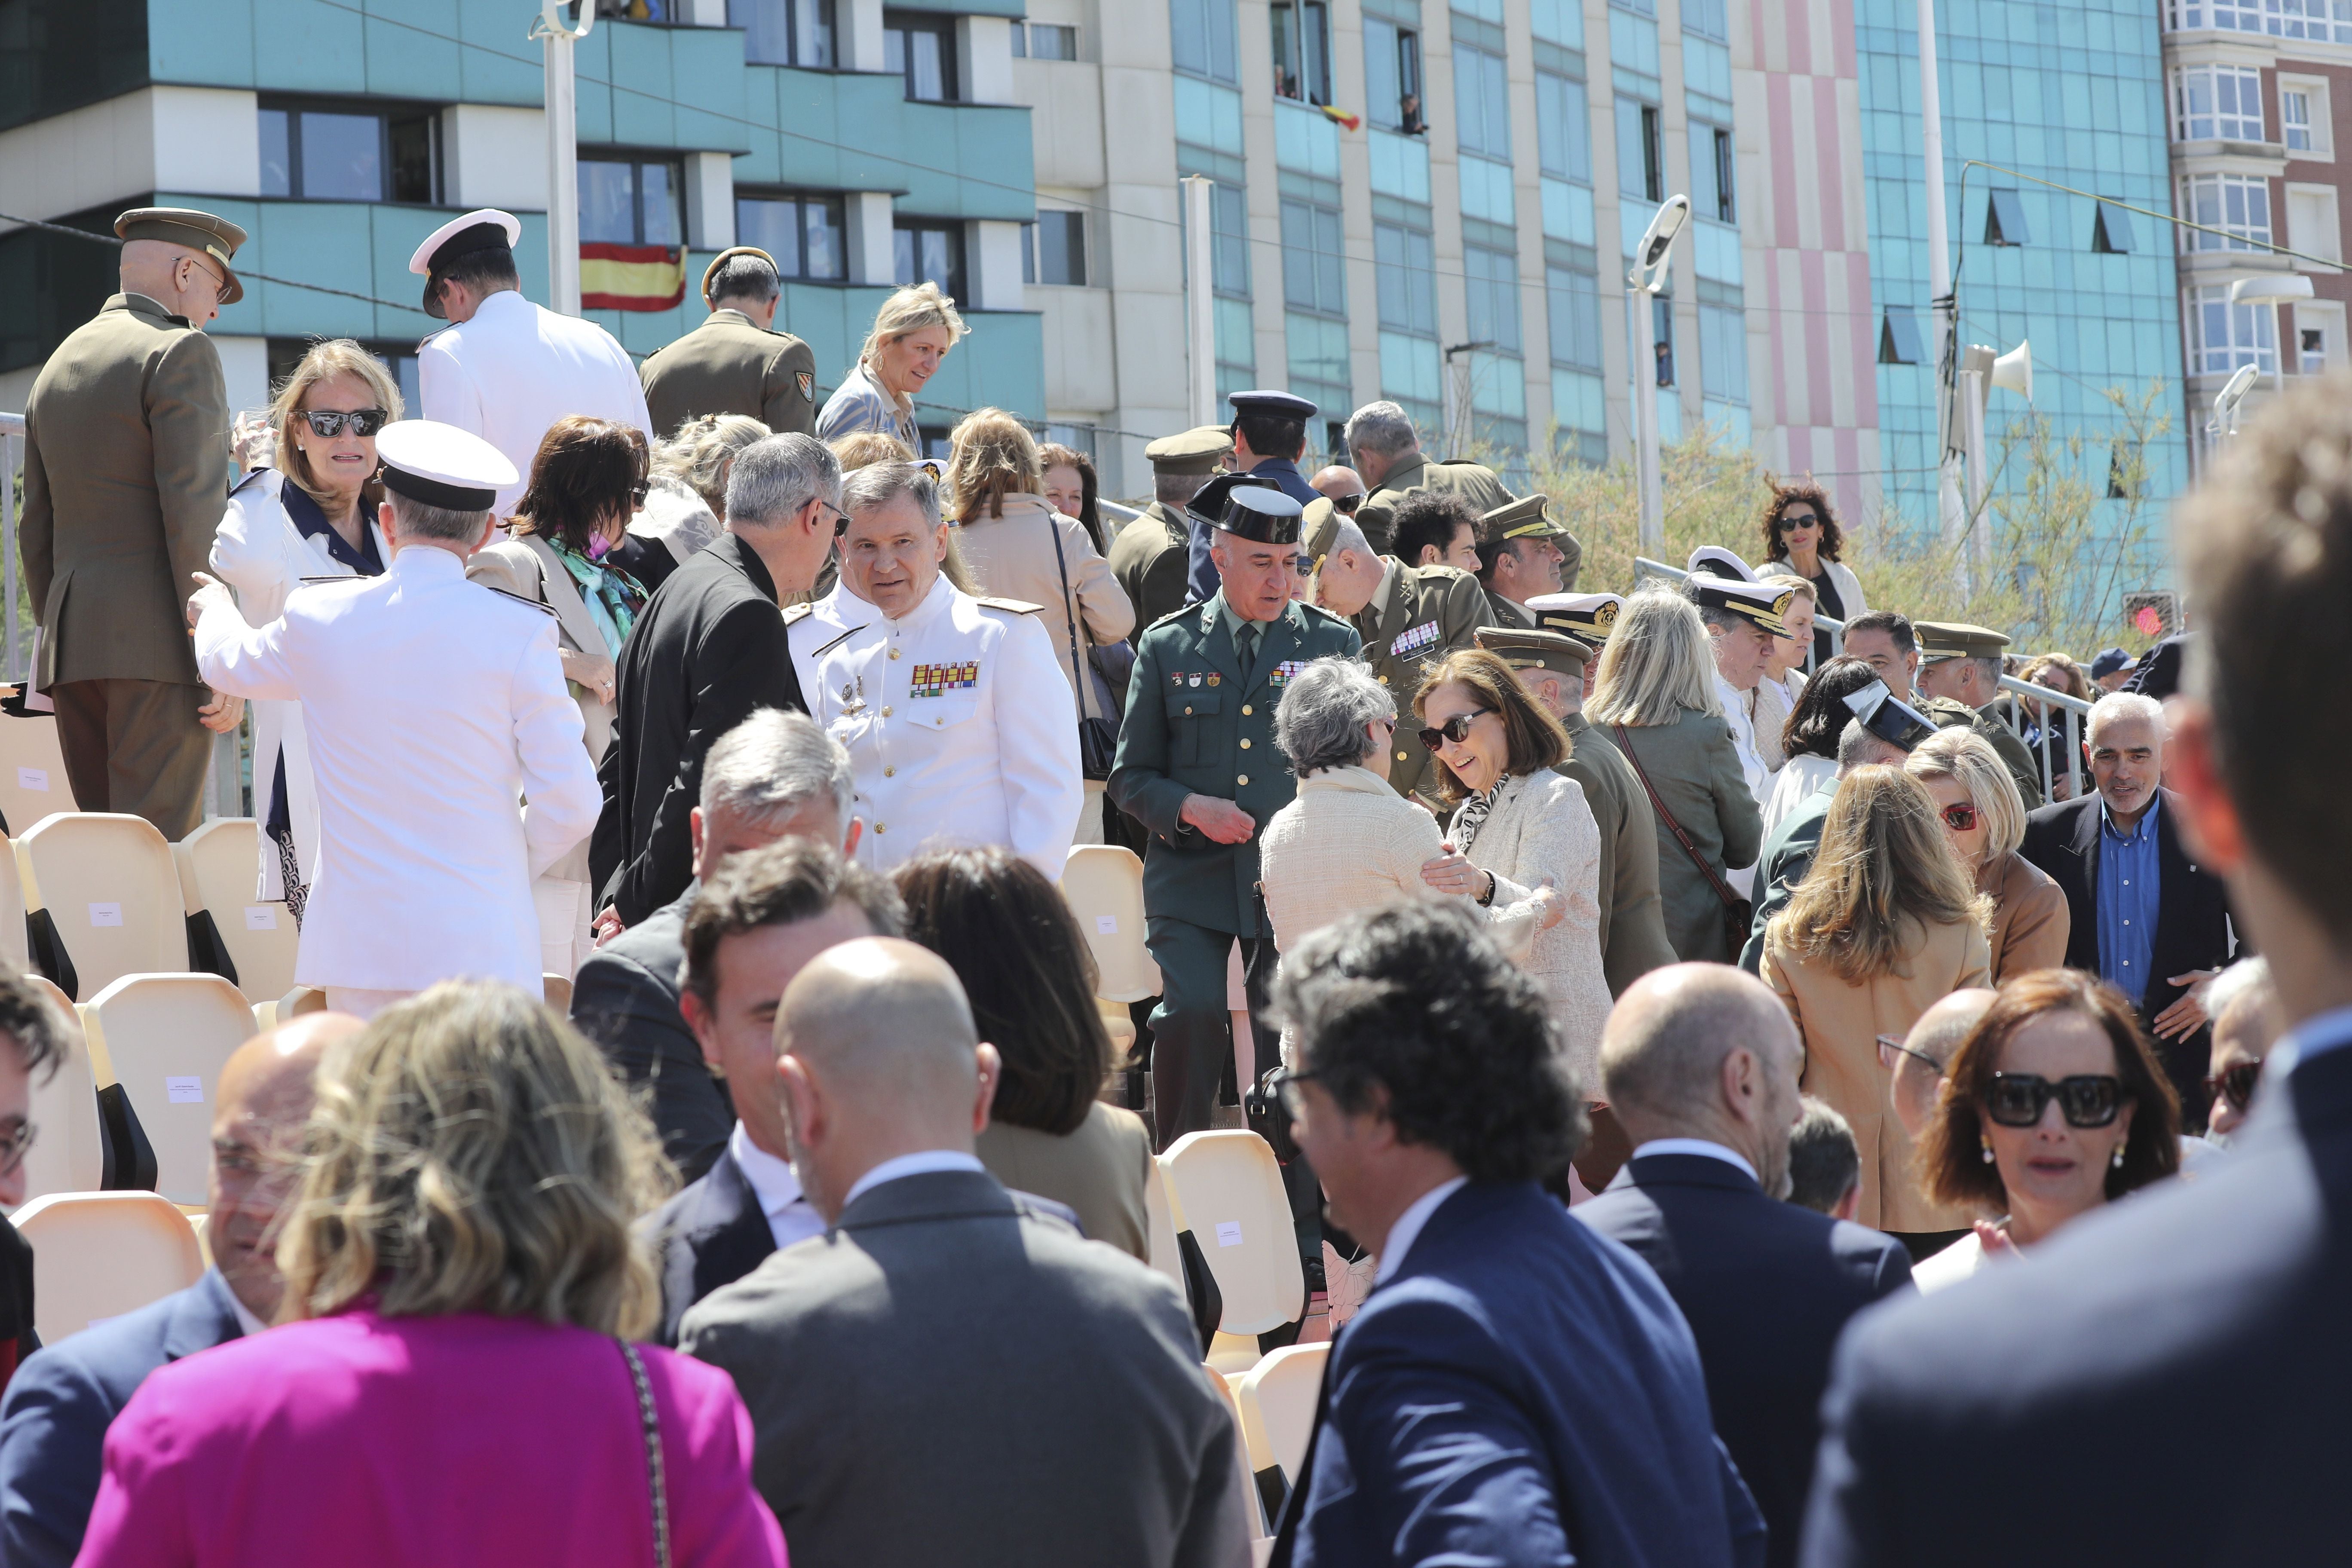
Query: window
(1723, 352)
(2306, 19)
(333, 154)
(630, 201)
(1491, 292)
(1663, 326)
(1044, 41)
(1056, 252)
(1574, 300)
(2005, 220)
(1302, 48)
(2312, 224)
(1482, 102)
(802, 231)
(1313, 275)
(2223, 336)
(2230, 16)
(784, 32)
(1712, 172)
(928, 250)
(2306, 123)
(2314, 351)
(2294, 117)
(1392, 76)
(1563, 130)
(2111, 230)
(2239, 204)
(1405, 270)
(1228, 239)
(1205, 38)
(2216, 103)
(1641, 151)
(1898, 338)
(922, 49)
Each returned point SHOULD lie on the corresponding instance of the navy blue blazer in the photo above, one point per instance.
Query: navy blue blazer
(1523, 1390)
(626, 998)
(711, 1234)
(2163, 1384)
(1766, 1288)
(53, 1423)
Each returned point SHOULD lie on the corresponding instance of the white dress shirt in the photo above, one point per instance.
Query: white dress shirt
(246, 1321)
(1706, 1147)
(515, 369)
(791, 1217)
(920, 1164)
(958, 719)
(1408, 1228)
(433, 706)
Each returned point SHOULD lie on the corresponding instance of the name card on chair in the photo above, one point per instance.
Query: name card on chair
(185, 1090)
(261, 917)
(1107, 925)
(106, 914)
(1229, 1233)
(33, 778)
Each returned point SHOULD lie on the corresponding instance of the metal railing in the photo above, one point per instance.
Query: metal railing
(2067, 715)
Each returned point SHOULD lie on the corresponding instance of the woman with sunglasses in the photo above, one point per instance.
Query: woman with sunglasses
(1803, 539)
(311, 516)
(2244, 1006)
(1984, 820)
(2052, 1106)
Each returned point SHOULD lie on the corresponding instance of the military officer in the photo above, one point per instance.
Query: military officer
(1201, 513)
(735, 362)
(1522, 554)
(1410, 617)
(1269, 432)
(1151, 557)
(126, 476)
(1197, 764)
(1960, 679)
(1587, 617)
(1386, 451)
(958, 719)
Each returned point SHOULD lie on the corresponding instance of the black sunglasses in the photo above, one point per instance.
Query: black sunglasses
(1960, 817)
(2236, 1083)
(331, 421)
(2087, 1099)
(1800, 519)
(1347, 505)
(1457, 729)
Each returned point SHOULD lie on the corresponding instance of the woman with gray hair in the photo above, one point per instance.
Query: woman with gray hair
(686, 498)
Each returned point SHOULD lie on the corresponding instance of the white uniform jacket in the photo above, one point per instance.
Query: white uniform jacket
(517, 368)
(431, 704)
(958, 719)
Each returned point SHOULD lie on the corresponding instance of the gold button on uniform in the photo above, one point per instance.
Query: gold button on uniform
(1402, 757)
(886, 712)
(1245, 745)
(1187, 710)
(1384, 680)
(1246, 709)
(894, 653)
(1243, 779)
(881, 827)
(893, 773)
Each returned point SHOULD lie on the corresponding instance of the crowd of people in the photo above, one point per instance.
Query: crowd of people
(1649, 998)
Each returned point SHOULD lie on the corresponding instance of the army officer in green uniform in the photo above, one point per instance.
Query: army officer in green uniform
(1523, 555)
(735, 363)
(1387, 452)
(1960, 679)
(1151, 554)
(1198, 766)
(1410, 617)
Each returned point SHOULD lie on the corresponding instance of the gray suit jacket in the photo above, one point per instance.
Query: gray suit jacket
(949, 1375)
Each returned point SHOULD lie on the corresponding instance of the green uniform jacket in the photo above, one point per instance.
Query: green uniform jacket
(1151, 558)
(1476, 484)
(1198, 724)
(1949, 714)
(126, 476)
(1501, 612)
(1431, 612)
(1633, 920)
(1696, 772)
(1788, 855)
(731, 365)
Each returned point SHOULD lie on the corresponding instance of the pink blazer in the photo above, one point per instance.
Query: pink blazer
(457, 1441)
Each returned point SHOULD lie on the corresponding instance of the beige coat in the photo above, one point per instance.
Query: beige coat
(1011, 557)
(1347, 842)
(2031, 921)
(1099, 1170)
(1840, 1021)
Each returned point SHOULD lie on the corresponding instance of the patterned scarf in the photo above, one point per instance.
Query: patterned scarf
(612, 596)
(1474, 814)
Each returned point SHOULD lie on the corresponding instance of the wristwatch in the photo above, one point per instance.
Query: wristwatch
(1486, 899)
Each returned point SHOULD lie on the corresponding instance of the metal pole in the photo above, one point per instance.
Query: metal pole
(1972, 417)
(1653, 533)
(1200, 306)
(1942, 307)
(563, 176)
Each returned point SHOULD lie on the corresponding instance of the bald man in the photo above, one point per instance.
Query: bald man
(53, 1424)
(1700, 1062)
(947, 1368)
(1916, 1076)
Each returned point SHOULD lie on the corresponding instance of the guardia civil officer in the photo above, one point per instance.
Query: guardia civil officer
(1410, 617)
(1152, 557)
(1959, 680)
(1197, 765)
(426, 862)
(735, 362)
(126, 476)
(1269, 432)
(506, 369)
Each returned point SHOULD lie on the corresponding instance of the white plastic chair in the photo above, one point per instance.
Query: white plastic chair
(111, 891)
(1161, 1225)
(1277, 1398)
(1228, 1189)
(1260, 1528)
(33, 783)
(70, 1154)
(216, 864)
(167, 1038)
(100, 1254)
(1104, 885)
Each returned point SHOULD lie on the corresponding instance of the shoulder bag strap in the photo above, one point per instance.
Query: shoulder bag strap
(1731, 900)
(1077, 671)
(650, 1420)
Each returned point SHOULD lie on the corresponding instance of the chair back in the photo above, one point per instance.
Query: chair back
(1277, 1404)
(219, 871)
(1104, 885)
(14, 947)
(100, 1254)
(1260, 1528)
(168, 1036)
(1161, 1225)
(1228, 1189)
(111, 895)
(70, 1154)
(33, 783)
(555, 990)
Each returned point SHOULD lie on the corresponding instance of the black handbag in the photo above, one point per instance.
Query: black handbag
(1097, 738)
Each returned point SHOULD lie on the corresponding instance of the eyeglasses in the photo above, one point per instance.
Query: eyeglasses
(1960, 817)
(2235, 1083)
(14, 1139)
(1347, 505)
(1796, 520)
(840, 518)
(334, 421)
(1889, 1048)
(2087, 1099)
(1284, 1083)
(1457, 729)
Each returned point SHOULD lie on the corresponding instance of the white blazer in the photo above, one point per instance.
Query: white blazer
(259, 553)
(959, 722)
(432, 705)
(517, 368)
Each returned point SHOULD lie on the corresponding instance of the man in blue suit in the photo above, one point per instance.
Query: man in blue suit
(1699, 1061)
(53, 1423)
(1517, 1389)
(2165, 1381)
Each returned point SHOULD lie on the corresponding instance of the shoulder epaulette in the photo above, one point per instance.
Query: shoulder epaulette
(543, 609)
(337, 577)
(251, 475)
(1319, 613)
(1173, 616)
(794, 614)
(826, 648)
(1016, 606)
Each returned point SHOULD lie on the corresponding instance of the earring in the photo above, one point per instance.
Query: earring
(1988, 1151)
(2119, 1160)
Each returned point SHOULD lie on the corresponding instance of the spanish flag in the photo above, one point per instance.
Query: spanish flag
(631, 277)
(1353, 122)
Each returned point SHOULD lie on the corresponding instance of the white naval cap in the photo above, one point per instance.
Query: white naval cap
(1715, 561)
(440, 465)
(484, 228)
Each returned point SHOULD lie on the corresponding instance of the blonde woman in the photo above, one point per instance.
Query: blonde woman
(912, 334)
(452, 1382)
(1654, 696)
(1984, 818)
(685, 495)
(313, 515)
(1885, 925)
(863, 449)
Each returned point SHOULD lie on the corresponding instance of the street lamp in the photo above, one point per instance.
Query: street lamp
(2224, 420)
(1642, 282)
(561, 24)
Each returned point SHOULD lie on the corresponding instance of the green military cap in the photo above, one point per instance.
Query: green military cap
(1199, 450)
(725, 256)
(215, 236)
(1588, 617)
(1555, 651)
(1521, 518)
(1953, 639)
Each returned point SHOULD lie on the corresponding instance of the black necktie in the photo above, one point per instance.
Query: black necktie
(1247, 643)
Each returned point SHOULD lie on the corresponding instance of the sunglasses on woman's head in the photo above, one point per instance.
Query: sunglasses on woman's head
(2236, 1083)
(1961, 817)
(2087, 1100)
(331, 421)
(1457, 729)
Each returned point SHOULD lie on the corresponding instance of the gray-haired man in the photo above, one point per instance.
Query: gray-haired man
(775, 775)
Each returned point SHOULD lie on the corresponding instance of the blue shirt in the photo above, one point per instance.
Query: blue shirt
(309, 520)
(2129, 890)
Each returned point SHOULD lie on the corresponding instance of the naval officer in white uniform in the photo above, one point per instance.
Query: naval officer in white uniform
(506, 369)
(433, 707)
(958, 719)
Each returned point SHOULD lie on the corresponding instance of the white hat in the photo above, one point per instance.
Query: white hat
(1592, 617)
(484, 228)
(1762, 605)
(440, 465)
(1715, 561)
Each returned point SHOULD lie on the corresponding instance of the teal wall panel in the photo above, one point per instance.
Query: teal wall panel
(207, 45)
(304, 45)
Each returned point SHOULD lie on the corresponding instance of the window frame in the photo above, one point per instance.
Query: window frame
(1323, 268)
(828, 20)
(1400, 47)
(386, 115)
(800, 201)
(1034, 250)
(1024, 43)
(1409, 279)
(2248, 236)
(637, 162)
(2205, 358)
(1563, 128)
(1302, 30)
(903, 24)
(958, 269)
(1503, 330)
(2189, 123)
(1491, 102)
(1572, 309)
